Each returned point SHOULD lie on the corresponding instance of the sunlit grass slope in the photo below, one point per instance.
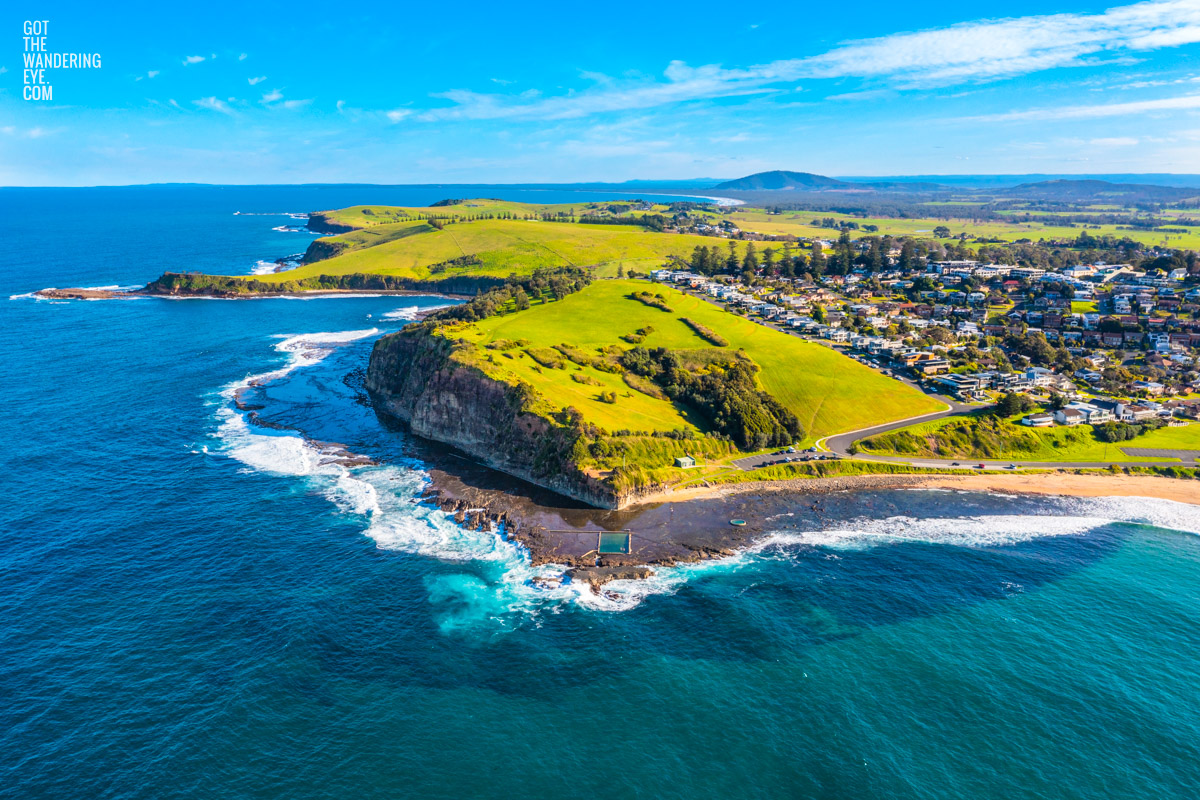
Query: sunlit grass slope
(504, 246)
(827, 391)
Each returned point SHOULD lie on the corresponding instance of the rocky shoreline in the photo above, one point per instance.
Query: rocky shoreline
(120, 294)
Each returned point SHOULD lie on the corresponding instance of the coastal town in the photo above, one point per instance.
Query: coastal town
(1094, 343)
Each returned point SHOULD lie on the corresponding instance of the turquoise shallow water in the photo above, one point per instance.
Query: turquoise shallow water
(194, 607)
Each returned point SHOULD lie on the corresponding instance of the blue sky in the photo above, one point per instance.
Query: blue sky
(560, 92)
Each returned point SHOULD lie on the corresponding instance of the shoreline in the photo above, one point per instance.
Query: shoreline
(109, 294)
(1053, 484)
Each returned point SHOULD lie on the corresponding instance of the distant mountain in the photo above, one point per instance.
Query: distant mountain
(783, 181)
(1067, 190)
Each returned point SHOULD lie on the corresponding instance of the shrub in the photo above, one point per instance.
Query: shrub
(652, 300)
(707, 334)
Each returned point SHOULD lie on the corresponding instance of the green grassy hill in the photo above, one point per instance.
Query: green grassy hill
(504, 246)
(828, 392)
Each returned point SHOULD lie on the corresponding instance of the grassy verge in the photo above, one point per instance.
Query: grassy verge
(985, 437)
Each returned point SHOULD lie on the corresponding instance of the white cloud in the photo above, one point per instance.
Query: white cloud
(213, 104)
(192, 60)
(271, 96)
(256, 81)
(341, 104)
(30, 133)
(398, 114)
(291, 105)
(962, 53)
(1115, 141)
(1184, 102)
(152, 73)
(3, 70)
(242, 57)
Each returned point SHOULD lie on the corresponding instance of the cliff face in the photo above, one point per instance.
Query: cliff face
(320, 223)
(414, 377)
(320, 249)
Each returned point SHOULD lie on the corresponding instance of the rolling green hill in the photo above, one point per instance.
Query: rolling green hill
(828, 392)
(502, 246)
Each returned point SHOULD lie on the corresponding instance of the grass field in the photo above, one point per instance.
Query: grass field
(1072, 444)
(504, 246)
(828, 392)
(374, 216)
(799, 224)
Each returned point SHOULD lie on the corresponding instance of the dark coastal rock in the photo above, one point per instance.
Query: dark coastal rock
(598, 576)
(82, 294)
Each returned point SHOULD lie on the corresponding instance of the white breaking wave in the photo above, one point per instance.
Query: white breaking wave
(263, 267)
(387, 498)
(411, 312)
(995, 530)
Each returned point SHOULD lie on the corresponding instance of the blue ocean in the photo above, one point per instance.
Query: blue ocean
(196, 604)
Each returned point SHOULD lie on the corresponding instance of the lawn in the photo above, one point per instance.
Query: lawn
(828, 392)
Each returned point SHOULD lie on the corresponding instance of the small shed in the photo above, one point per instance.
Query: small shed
(685, 461)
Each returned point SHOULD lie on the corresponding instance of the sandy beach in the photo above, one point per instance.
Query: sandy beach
(1069, 484)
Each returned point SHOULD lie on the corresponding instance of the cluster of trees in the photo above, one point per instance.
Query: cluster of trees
(1012, 404)
(543, 283)
(726, 395)
(654, 222)
(461, 261)
(1124, 431)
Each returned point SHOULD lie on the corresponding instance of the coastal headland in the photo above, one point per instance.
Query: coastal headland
(582, 402)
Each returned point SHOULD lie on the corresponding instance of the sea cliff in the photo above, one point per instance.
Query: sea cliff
(425, 381)
(319, 222)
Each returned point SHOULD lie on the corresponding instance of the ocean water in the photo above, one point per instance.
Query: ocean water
(196, 604)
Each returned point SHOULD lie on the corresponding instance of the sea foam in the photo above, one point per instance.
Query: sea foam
(388, 499)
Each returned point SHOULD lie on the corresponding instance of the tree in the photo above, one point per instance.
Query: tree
(1012, 404)
(520, 299)
(941, 232)
(750, 260)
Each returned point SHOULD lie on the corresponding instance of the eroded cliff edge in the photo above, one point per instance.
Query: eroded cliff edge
(427, 381)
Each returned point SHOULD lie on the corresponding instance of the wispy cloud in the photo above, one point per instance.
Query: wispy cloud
(256, 81)
(397, 114)
(3, 70)
(213, 104)
(192, 60)
(242, 57)
(1096, 111)
(30, 133)
(963, 53)
(272, 96)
